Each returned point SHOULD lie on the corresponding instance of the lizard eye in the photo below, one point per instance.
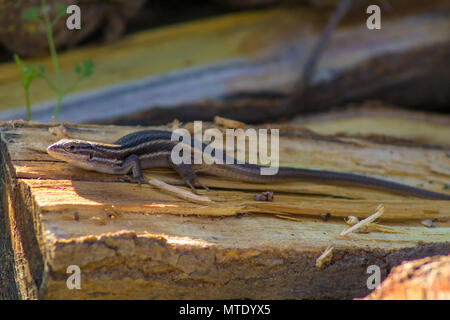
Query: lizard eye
(91, 155)
(70, 148)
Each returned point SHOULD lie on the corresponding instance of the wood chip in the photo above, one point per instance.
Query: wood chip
(325, 257)
(228, 123)
(264, 196)
(352, 220)
(428, 223)
(378, 213)
(60, 132)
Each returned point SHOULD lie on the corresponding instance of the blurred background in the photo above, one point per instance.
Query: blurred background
(156, 61)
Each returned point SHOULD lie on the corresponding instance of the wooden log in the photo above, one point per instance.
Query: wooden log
(424, 279)
(139, 242)
(379, 122)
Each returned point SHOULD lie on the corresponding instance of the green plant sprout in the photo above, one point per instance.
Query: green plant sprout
(29, 73)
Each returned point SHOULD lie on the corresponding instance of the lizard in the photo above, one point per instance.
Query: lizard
(152, 148)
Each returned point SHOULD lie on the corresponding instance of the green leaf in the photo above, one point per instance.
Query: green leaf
(42, 68)
(78, 69)
(85, 69)
(27, 72)
(31, 14)
(28, 75)
(30, 72)
(18, 61)
(88, 68)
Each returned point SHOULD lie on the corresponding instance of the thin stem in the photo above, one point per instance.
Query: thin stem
(27, 98)
(58, 16)
(318, 49)
(54, 57)
(58, 105)
(50, 84)
(74, 85)
(292, 104)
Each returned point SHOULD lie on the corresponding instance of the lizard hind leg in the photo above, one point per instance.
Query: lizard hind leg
(188, 175)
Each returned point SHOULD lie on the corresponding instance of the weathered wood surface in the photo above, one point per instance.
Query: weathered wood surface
(138, 242)
(250, 53)
(424, 279)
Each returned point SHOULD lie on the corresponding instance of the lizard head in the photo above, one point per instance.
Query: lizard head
(76, 152)
(84, 154)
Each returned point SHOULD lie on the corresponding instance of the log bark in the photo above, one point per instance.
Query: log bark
(424, 279)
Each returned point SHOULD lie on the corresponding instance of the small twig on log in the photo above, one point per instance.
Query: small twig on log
(378, 213)
(324, 257)
(288, 217)
(186, 195)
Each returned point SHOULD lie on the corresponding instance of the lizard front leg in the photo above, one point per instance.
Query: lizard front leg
(131, 164)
